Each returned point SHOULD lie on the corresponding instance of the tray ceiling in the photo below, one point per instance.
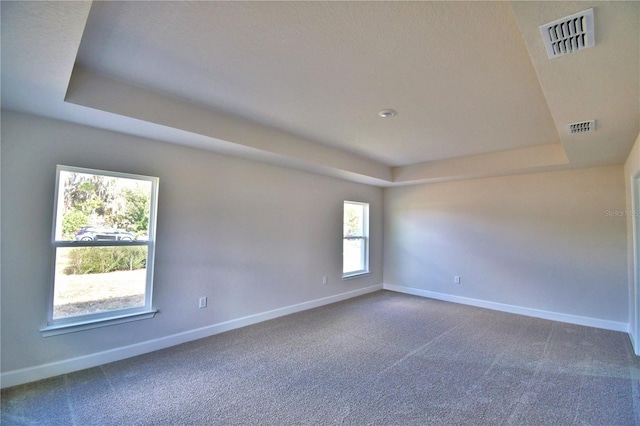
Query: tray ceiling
(300, 84)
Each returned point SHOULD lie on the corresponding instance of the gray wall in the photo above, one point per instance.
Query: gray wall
(251, 237)
(255, 238)
(539, 241)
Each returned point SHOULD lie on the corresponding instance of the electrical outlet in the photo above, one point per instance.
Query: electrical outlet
(456, 279)
(325, 280)
(202, 303)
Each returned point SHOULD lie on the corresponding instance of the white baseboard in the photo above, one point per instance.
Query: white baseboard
(538, 313)
(32, 374)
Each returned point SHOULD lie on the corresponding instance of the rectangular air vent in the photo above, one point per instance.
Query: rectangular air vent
(568, 35)
(582, 127)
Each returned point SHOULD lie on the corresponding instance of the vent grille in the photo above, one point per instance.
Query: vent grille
(568, 35)
(582, 127)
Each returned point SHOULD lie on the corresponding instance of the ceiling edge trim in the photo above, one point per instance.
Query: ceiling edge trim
(514, 161)
(88, 89)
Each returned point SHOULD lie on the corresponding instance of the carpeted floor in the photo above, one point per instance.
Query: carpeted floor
(380, 359)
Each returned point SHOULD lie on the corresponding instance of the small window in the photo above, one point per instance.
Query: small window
(355, 239)
(103, 248)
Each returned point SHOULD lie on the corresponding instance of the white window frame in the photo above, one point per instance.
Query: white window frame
(364, 238)
(116, 316)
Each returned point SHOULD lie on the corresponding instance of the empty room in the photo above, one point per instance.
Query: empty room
(295, 213)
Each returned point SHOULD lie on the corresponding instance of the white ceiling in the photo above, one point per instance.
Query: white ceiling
(299, 84)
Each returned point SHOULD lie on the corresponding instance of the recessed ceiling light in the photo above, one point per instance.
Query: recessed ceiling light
(387, 113)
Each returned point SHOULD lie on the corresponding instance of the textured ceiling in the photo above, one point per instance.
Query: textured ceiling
(299, 84)
(454, 72)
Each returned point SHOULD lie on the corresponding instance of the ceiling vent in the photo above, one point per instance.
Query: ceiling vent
(582, 127)
(568, 35)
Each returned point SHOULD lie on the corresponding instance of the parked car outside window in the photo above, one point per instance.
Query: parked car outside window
(102, 233)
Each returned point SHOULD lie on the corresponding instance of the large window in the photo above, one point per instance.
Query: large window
(355, 239)
(103, 248)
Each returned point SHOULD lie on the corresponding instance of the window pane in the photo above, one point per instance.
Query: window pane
(353, 255)
(355, 250)
(353, 220)
(96, 207)
(95, 279)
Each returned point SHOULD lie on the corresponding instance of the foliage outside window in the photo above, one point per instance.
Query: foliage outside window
(355, 239)
(103, 246)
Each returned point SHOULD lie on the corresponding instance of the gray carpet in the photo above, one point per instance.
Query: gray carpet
(380, 359)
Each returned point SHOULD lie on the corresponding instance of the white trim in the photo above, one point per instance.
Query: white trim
(355, 275)
(520, 310)
(31, 374)
(91, 320)
(55, 330)
(634, 303)
(364, 237)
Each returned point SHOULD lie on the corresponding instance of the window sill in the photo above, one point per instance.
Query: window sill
(57, 329)
(355, 275)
